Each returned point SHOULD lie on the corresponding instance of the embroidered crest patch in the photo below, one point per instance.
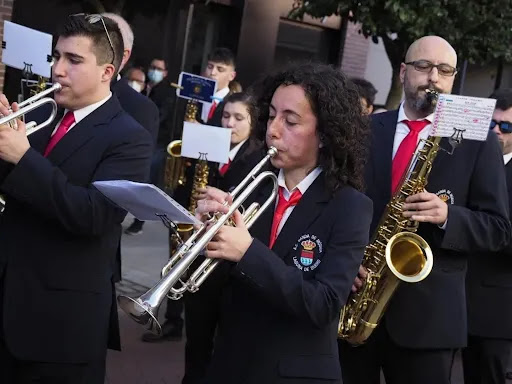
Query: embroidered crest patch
(310, 249)
(446, 195)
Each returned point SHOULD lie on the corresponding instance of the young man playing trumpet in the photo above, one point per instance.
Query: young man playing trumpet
(59, 235)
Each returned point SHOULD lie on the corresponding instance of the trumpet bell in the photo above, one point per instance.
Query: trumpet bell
(140, 312)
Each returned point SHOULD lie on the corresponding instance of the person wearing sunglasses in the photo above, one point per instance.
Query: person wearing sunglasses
(463, 209)
(489, 281)
(59, 234)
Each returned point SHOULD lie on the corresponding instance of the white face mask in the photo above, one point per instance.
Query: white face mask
(135, 85)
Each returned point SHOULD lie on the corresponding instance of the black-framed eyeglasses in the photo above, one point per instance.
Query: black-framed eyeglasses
(503, 126)
(93, 18)
(426, 66)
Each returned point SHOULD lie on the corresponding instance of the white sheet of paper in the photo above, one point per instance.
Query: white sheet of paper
(26, 45)
(144, 201)
(471, 116)
(200, 140)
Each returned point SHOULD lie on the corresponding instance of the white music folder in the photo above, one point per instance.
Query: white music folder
(145, 201)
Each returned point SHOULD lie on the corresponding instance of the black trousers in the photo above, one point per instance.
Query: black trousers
(362, 364)
(485, 360)
(15, 371)
(202, 313)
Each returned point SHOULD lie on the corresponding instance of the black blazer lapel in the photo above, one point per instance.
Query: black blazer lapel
(302, 216)
(85, 130)
(383, 127)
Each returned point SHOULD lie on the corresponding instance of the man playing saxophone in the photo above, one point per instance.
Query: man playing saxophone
(426, 321)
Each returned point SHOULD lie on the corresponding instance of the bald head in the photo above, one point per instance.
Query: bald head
(432, 48)
(430, 64)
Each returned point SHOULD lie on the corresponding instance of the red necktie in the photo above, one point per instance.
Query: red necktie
(405, 151)
(282, 206)
(212, 110)
(67, 121)
(224, 168)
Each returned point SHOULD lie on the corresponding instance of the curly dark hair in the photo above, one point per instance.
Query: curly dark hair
(249, 101)
(342, 128)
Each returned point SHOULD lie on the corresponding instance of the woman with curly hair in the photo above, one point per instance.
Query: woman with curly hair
(292, 273)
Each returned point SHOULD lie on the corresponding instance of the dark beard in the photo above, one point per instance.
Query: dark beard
(423, 103)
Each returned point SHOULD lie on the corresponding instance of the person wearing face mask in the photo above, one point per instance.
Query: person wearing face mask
(464, 209)
(489, 281)
(136, 79)
(160, 92)
(202, 309)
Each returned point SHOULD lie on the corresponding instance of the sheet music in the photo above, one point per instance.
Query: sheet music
(26, 47)
(206, 141)
(144, 201)
(464, 115)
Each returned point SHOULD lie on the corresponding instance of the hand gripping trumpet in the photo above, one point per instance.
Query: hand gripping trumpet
(144, 309)
(29, 105)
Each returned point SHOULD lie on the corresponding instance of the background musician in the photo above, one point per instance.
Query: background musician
(60, 235)
(489, 281)
(458, 213)
(292, 273)
(220, 67)
(202, 309)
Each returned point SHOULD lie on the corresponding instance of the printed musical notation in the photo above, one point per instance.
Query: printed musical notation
(467, 116)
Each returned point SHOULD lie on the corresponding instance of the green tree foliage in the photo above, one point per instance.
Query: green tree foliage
(479, 30)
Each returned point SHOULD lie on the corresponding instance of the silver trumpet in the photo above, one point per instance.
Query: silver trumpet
(144, 309)
(29, 105)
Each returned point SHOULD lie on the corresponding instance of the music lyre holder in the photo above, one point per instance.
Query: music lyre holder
(456, 139)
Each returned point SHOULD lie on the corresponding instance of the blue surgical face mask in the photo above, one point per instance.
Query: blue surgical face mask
(155, 75)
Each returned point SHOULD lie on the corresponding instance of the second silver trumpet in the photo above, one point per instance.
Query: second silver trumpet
(177, 279)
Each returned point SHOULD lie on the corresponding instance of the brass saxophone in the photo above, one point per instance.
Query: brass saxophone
(396, 253)
(175, 176)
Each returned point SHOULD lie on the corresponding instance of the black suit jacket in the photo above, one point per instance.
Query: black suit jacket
(280, 310)
(489, 287)
(60, 235)
(432, 313)
(138, 106)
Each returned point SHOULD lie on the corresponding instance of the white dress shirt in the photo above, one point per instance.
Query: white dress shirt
(402, 130)
(82, 113)
(302, 187)
(233, 152)
(507, 157)
(217, 97)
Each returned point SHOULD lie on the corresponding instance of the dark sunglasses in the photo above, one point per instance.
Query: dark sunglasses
(93, 18)
(426, 66)
(504, 126)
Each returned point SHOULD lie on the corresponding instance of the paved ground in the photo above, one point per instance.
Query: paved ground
(139, 362)
(161, 363)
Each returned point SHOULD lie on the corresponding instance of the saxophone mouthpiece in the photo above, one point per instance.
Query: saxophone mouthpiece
(432, 95)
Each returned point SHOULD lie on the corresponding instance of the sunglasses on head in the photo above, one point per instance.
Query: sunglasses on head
(503, 126)
(93, 18)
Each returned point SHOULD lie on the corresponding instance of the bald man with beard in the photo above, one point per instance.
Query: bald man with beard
(458, 213)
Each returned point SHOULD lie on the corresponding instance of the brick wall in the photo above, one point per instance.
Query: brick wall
(5, 14)
(355, 52)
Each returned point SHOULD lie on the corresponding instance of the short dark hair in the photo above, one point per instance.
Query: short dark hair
(249, 101)
(366, 90)
(341, 125)
(503, 98)
(222, 55)
(77, 25)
